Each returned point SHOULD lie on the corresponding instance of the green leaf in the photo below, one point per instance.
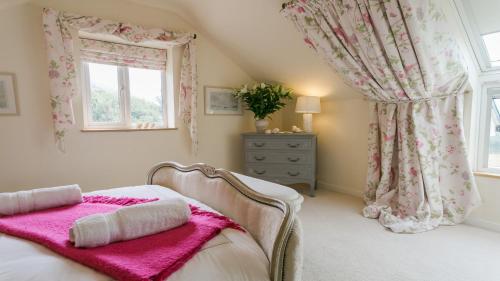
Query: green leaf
(263, 101)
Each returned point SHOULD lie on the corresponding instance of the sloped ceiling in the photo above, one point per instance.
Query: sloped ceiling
(265, 44)
(258, 38)
(7, 3)
(484, 14)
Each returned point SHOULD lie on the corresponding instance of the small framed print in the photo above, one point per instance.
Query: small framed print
(8, 103)
(221, 101)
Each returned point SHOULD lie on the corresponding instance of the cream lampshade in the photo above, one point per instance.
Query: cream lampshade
(307, 105)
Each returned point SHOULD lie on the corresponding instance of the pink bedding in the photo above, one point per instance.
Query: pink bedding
(154, 257)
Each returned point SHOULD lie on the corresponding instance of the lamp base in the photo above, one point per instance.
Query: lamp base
(308, 122)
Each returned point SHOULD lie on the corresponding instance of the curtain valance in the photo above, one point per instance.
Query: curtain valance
(59, 26)
(99, 51)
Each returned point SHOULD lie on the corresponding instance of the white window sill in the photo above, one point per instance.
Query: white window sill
(124, 129)
(487, 175)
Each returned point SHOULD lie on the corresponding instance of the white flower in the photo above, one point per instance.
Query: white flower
(255, 86)
(262, 85)
(244, 90)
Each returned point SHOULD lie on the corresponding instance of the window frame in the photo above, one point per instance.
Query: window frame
(487, 97)
(124, 101)
(475, 37)
(486, 55)
(485, 77)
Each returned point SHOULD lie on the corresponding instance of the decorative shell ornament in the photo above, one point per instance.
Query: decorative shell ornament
(275, 130)
(296, 129)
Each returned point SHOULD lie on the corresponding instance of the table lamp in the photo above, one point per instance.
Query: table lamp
(307, 105)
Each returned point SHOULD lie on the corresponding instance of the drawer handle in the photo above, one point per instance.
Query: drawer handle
(261, 158)
(293, 145)
(261, 144)
(293, 159)
(293, 174)
(260, 172)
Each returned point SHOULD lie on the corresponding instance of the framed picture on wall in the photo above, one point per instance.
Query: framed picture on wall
(8, 103)
(220, 101)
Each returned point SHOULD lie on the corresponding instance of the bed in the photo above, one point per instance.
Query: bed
(269, 250)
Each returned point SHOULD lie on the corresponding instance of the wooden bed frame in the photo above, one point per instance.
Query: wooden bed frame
(271, 222)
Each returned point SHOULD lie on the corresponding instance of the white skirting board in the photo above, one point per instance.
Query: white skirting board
(356, 192)
(483, 224)
(341, 189)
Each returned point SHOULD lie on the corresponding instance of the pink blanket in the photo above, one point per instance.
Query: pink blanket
(153, 257)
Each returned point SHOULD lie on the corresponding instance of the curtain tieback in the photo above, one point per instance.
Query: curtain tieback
(418, 100)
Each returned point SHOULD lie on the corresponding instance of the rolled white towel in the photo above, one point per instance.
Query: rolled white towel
(129, 222)
(12, 203)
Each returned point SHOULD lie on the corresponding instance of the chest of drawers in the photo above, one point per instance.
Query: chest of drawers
(281, 158)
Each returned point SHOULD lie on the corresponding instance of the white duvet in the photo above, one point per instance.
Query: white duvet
(230, 256)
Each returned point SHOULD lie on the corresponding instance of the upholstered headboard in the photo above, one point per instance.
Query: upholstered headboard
(270, 221)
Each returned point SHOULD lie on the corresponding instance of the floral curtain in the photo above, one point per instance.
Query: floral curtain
(400, 55)
(187, 101)
(58, 27)
(121, 54)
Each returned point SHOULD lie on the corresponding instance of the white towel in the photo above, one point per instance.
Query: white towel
(129, 222)
(12, 203)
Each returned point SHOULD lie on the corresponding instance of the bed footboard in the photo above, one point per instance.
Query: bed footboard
(270, 221)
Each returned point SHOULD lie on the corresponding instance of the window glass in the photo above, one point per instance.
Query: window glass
(494, 135)
(146, 102)
(121, 97)
(104, 94)
(492, 42)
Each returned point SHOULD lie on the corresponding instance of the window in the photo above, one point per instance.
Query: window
(489, 155)
(124, 87)
(120, 97)
(482, 26)
(492, 44)
(482, 30)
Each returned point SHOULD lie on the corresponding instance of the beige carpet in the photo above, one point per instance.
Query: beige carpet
(342, 245)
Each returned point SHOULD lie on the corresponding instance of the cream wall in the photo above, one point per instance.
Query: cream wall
(342, 130)
(28, 156)
(342, 145)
